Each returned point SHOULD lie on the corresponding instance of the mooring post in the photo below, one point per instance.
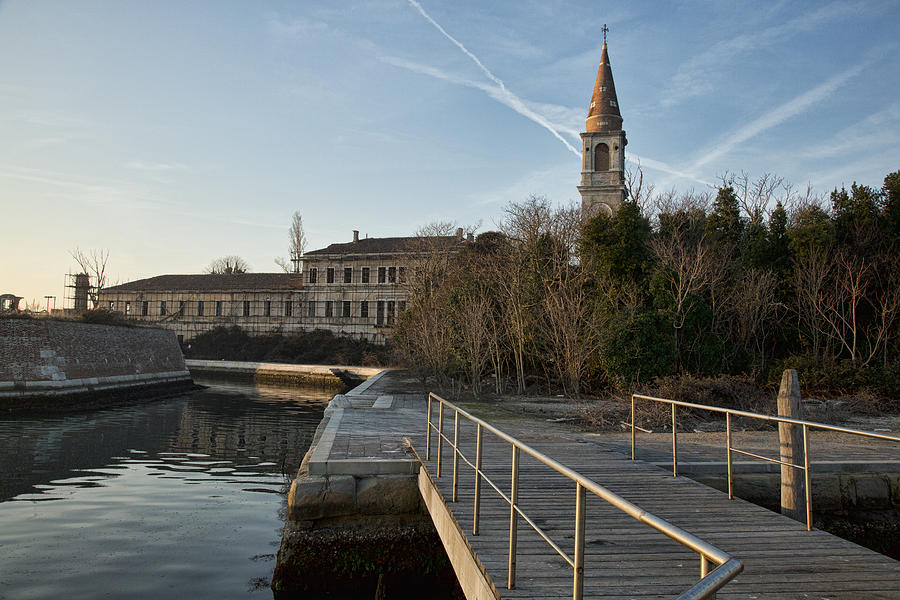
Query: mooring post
(791, 445)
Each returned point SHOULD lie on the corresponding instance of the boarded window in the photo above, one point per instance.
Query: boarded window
(382, 274)
(348, 274)
(200, 308)
(601, 157)
(313, 275)
(365, 274)
(345, 309)
(364, 309)
(288, 308)
(329, 308)
(246, 308)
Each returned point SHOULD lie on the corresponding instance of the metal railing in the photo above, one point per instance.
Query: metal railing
(726, 566)
(730, 449)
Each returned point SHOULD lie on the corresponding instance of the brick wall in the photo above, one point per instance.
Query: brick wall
(46, 350)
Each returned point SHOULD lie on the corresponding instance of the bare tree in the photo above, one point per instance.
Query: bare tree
(296, 245)
(93, 263)
(228, 265)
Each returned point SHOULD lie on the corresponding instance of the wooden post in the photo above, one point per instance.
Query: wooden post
(790, 437)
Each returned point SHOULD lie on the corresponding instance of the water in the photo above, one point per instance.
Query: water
(175, 498)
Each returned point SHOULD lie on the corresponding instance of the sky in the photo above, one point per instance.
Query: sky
(171, 133)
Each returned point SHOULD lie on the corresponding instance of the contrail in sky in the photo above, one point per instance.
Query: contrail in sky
(499, 93)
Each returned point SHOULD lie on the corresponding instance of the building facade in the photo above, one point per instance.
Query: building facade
(602, 186)
(356, 289)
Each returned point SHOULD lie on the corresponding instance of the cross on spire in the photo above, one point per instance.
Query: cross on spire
(604, 29)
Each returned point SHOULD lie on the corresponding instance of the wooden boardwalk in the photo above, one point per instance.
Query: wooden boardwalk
(627, 559)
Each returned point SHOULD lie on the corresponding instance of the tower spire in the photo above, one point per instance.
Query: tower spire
(602, 186)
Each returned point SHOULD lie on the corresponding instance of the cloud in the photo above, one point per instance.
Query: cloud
(155, 166)
(879, 129)
(697, 76)
(778, 115)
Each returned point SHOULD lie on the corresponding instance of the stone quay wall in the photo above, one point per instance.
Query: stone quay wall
(64, 364)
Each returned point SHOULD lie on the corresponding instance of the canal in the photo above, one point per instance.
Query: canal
(181, 497)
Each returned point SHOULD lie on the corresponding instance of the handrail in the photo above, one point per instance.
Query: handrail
(730, 449)
(727, 566)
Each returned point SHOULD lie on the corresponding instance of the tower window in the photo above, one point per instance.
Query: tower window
(601, 157)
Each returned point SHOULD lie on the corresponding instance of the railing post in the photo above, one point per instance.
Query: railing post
(704, 570)
(578, 585)
(428, 430)
(455, 453)
(477, 480)
(632, 427)
(674, 444)
(440, 444)
(513, 519)
(790, 443)
(728, 442)
(808, 483)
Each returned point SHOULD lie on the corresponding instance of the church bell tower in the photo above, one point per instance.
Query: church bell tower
(602, 186)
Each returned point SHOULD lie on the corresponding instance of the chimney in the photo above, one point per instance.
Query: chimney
(355, 235)
(459, 233)
(470, 238)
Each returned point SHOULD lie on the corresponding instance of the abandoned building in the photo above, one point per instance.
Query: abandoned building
(356, 289)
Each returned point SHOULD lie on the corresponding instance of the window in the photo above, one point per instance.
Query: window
(311, 309)
(127, 307)
(345, 309)
(365, 274)
(112, 305)
(162, 307)
(199, 308)
(288, 308)
(381, 273)
(390, 313)
(401, 274)
(329, 275)
(392, 274)
(145, 308)
(601, 158)
(246, 311)
(379, 312)
(267, 308)
(348, 274)
(313, 275)
(329, 308)
(401, 307)
(364, 309)
(218, 308)
(181, 307)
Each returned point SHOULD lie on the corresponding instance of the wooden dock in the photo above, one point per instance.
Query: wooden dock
(623, 557)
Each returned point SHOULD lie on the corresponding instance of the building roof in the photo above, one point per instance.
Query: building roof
(390, 245)
(603, 114)
(206, 282)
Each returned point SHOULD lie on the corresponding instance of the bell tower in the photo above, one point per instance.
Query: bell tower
(602, 186)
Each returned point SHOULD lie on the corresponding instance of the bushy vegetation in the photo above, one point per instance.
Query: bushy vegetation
(314, 347)
(746, 280)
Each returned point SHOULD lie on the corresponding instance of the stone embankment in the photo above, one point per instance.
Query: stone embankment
(333, 376)
(356, 524)
(67, 365)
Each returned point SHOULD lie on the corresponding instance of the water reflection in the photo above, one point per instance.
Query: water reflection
(177, 497)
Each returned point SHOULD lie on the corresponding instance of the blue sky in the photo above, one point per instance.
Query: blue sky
(172, 133)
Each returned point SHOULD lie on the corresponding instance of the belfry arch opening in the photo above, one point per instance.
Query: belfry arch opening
(601, 157)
